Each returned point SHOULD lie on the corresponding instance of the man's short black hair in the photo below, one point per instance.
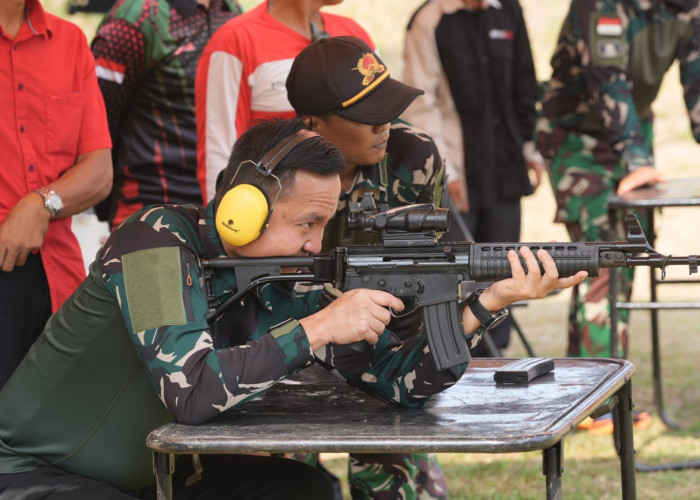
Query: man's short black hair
(315, 155)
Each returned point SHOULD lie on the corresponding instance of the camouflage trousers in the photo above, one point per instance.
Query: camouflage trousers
(584, 174)
(391, 476)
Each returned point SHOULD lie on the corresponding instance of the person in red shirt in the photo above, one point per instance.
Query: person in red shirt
(55, 163)
(242, 71)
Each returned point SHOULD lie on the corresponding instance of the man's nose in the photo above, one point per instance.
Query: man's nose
(379, 129)
(314, 244)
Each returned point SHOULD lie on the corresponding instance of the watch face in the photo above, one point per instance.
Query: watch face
(500, 318)
(54, 203)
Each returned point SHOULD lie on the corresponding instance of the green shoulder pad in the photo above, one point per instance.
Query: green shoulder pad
(153, 286)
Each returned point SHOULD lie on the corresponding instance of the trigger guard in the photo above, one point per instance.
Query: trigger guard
(410, 307)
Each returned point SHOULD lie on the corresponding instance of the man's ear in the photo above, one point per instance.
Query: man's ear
(310, 122)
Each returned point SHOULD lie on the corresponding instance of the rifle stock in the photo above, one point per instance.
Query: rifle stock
(411, 264)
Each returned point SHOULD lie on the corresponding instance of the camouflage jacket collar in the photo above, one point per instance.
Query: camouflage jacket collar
(370, 178)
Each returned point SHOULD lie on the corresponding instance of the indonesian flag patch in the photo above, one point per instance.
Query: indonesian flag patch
(110, 70)
(609, 26)
(495, 34)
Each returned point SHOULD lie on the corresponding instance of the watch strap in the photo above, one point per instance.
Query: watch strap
(485, 317)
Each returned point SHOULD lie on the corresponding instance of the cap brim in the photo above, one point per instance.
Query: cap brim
(383, 105)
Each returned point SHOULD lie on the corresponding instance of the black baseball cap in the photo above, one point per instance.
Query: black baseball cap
(343, 75)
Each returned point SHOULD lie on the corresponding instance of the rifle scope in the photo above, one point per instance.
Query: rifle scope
(413, 218)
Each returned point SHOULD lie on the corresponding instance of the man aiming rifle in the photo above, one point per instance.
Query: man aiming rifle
(132, 349)
(411, 264)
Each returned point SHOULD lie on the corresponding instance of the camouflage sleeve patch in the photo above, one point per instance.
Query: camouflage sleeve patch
(607, 40)
(153, 285)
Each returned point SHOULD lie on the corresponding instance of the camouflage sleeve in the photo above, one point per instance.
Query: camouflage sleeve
(400, 372)
(397, 370)
(689, 58)
(599, 33)
(150, 266)
(416, 170)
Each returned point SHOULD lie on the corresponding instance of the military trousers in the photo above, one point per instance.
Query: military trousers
(584, 174)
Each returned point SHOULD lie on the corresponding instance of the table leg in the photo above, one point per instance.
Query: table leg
(625, 442)
(655, 345)
(164, 467)
(518, 329)
(553, 468)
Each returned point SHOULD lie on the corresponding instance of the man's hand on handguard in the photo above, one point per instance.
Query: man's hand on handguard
(522, 286)
(355, 315)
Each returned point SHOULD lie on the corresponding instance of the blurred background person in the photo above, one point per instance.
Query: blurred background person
(242, 73)
(147, 53)
(473, 60)
(596, 130)
(55, 163)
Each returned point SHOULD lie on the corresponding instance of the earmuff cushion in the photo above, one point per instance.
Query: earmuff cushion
(242, 215)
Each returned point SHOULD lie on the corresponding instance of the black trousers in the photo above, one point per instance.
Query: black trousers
(497, 223)
(223, 477)
(25, 306)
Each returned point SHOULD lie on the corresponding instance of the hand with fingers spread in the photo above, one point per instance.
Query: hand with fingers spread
(522, 286)
(355, 315)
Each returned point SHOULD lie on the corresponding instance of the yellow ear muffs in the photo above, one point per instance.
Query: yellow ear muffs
(242, 215)
(244, 210)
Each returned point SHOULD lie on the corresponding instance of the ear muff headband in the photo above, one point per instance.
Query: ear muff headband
(244, 210)
(275, 155)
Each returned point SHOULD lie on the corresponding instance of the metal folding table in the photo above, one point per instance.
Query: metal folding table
(318, 412)
(647, 201)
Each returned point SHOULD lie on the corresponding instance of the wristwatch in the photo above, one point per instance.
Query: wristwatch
(52, 202)
(487, 318)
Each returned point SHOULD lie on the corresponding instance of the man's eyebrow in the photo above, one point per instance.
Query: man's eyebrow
(313, 217)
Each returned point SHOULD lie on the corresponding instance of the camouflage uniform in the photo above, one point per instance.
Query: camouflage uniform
(596, 126)
(411, 172)
(131, 349)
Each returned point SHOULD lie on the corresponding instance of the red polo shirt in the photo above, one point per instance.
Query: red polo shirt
(52, 111)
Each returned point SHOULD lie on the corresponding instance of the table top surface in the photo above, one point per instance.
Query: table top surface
(317, 412)
(674, 193)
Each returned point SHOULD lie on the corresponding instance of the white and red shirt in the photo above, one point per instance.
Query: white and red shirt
(241, 81)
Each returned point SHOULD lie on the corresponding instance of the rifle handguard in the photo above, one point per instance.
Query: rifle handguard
(489, 261)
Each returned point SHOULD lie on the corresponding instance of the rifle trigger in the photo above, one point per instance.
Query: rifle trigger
(410, 307)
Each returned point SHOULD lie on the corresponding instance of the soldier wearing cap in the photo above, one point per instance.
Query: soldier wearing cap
(596, 127)
(343, 90)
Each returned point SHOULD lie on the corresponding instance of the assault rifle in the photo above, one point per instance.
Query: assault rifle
(411, 264)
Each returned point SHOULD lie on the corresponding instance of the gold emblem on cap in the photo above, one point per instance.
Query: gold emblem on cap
(368, 66)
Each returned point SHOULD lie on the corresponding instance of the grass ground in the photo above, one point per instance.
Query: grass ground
(591, 467)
